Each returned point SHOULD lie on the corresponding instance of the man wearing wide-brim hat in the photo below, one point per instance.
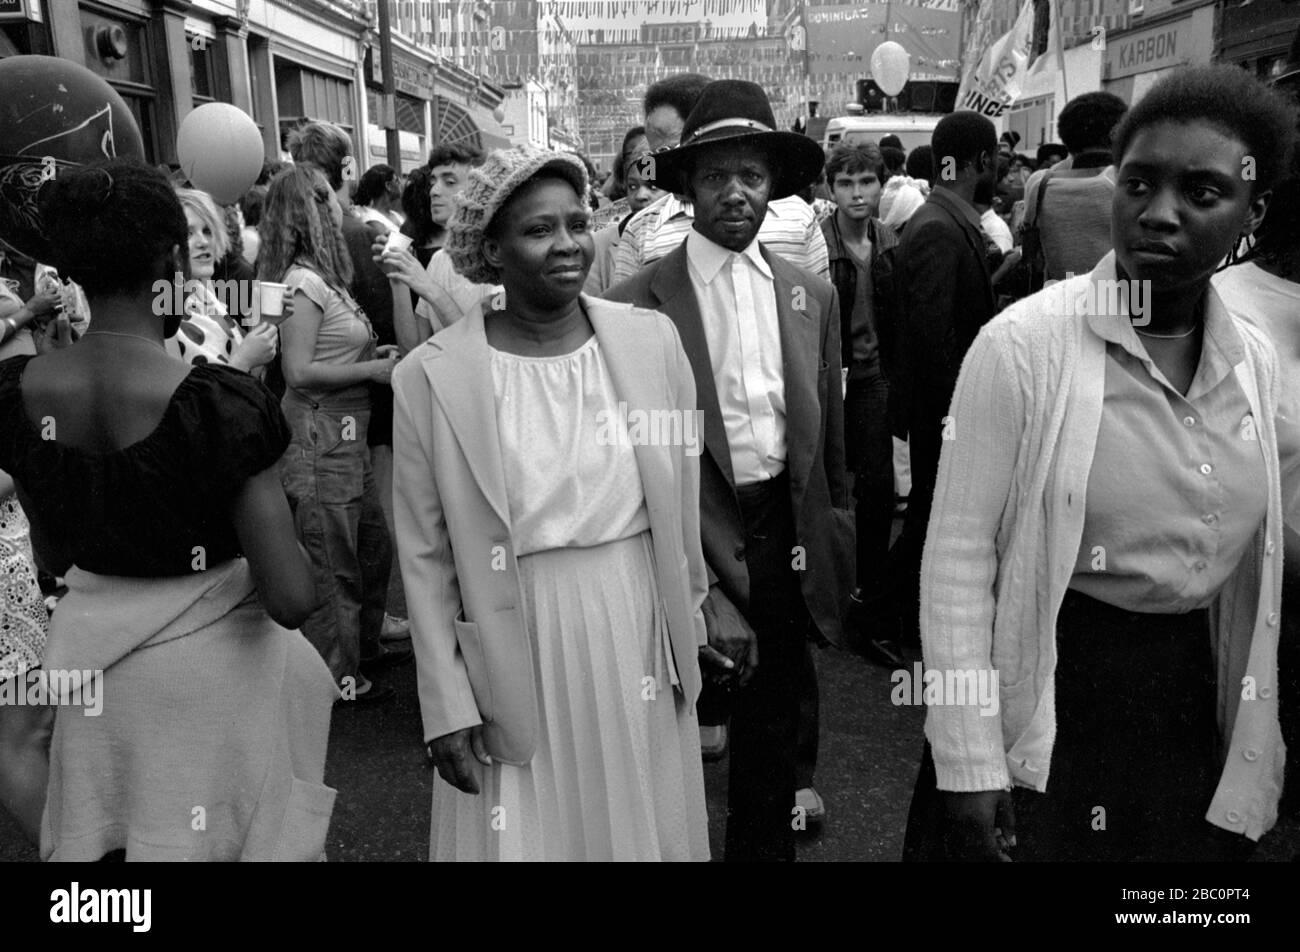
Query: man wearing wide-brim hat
(763, 339)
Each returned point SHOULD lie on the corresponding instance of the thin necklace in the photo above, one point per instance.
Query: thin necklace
(132, 336)
(1182, 336)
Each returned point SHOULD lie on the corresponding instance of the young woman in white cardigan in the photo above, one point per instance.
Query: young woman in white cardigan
(1106, 542)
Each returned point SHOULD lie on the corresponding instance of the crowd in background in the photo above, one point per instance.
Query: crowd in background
(1082, 512)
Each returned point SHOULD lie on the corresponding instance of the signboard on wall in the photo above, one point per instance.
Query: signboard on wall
(20, 10)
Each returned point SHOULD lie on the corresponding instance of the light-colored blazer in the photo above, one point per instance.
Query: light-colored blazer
(473, 648)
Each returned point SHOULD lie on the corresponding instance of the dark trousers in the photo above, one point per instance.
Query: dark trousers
(765, 713)
(925, 440)
(870, 450)
(1134, 764)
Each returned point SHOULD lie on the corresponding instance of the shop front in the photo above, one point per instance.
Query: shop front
(1259, 35)
(414, 85)
(1138, 58)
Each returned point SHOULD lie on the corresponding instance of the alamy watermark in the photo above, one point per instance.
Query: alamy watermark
(948, 687)
(1107, 296)
(39, 687)
(638, 427)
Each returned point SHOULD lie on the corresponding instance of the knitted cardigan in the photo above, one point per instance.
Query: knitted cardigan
(1004, 536)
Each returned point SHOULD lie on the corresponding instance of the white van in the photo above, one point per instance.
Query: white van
(912, 130)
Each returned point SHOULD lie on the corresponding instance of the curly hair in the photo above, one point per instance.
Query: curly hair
(206, 211)
(1229, 98)
(111, 225)
(374, 183)
(1087, 121)
(296, 229)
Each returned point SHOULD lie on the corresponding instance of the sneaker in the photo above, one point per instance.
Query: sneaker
(713, 741)
(395, 629)
(810, 802)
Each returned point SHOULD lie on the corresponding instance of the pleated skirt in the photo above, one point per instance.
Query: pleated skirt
(617, 774)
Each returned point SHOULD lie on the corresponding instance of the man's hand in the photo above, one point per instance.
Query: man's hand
(56, 335)
(732, 651)
(981, 827)
(460, 758)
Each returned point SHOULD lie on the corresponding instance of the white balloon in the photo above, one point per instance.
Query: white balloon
(890, 65)
(220, 151)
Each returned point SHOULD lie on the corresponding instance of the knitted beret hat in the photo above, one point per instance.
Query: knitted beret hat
(490, 187)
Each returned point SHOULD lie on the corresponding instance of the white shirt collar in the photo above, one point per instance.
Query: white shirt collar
(708, 258)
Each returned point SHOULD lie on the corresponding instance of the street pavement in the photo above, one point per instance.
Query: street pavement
(870, 749)
(869, 753)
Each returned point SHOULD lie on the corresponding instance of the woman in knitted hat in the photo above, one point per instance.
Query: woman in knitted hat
(546, 488)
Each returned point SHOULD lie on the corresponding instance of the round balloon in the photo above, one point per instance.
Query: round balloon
(220, 151)
(890, 65)
(54, 115)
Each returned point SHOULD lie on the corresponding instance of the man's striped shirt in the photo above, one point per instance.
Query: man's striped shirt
(790, 229)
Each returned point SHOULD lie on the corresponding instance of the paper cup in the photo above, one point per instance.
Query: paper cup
(397, 242)
(270, 301)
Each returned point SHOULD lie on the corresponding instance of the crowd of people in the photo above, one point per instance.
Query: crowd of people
(1074, 375)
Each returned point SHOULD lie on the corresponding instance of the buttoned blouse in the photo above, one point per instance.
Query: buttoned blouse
(737, 299)
(1177, 489)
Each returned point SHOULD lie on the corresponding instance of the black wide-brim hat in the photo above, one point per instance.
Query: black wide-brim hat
(737, 113)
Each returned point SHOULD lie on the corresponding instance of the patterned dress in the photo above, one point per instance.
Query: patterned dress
(24, 621)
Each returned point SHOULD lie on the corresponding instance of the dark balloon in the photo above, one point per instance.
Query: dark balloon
(54, 115)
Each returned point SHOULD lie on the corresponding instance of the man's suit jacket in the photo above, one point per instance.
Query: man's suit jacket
(474, 660)
(809, 317)
(945, 298)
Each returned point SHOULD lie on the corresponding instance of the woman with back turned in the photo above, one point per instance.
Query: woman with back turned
(151, 485)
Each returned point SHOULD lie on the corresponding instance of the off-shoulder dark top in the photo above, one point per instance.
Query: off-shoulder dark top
(161, 505)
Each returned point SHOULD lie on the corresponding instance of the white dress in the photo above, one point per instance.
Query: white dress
(617, 773)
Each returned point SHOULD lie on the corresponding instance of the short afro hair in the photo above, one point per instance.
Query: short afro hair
(1087, 121)
(681, 92)
(920, 163)
(895, 159)
(962, 136)
(1229, 98)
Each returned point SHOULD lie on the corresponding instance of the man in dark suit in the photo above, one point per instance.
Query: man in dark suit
(763, 339)
(945, 297)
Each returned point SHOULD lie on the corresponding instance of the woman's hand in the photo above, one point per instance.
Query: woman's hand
(257, 348)
(981, 827)
(381, 370)
(389, 351)
(56, 335)
(458, 757)
(43, 303)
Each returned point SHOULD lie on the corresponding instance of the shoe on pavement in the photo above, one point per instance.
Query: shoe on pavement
(388, 655)
(886, 653)
(395, 629)
(713, 741)
(810, 802)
